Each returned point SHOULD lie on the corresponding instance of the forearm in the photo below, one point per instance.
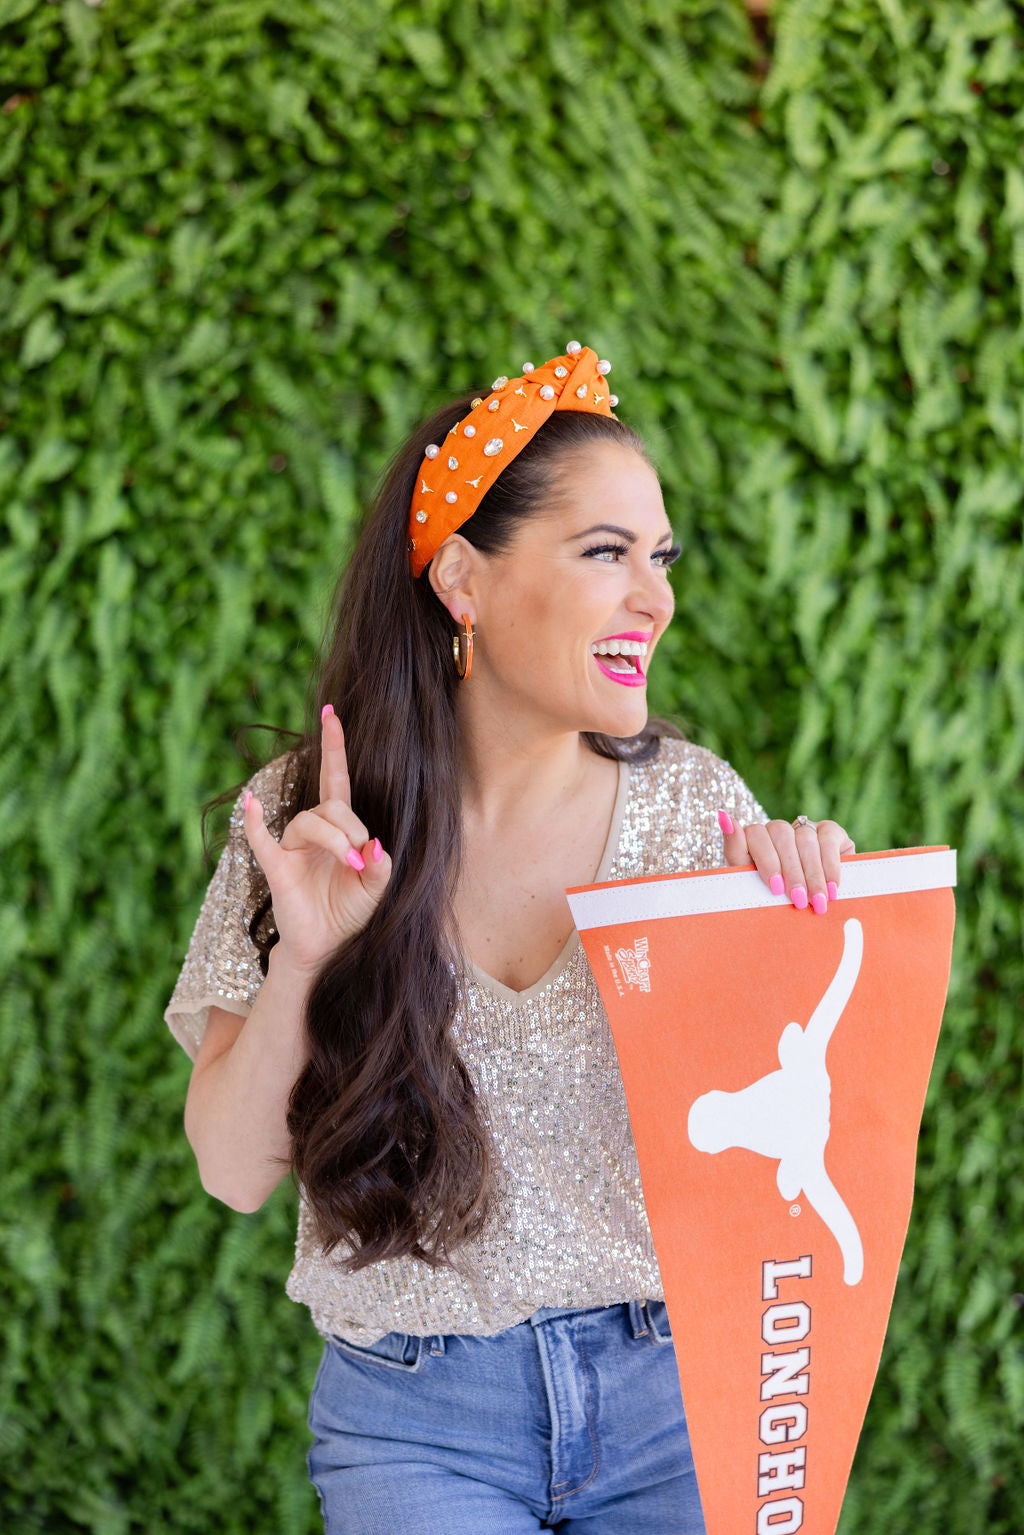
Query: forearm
(235, 1112)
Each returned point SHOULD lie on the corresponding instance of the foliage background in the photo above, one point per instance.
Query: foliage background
(243, 247)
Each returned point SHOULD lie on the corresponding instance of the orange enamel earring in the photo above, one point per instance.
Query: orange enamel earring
(462, 648)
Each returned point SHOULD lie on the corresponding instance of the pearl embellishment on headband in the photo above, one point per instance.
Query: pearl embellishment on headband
(573, 381)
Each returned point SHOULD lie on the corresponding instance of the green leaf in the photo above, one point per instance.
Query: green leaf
(43, 340)
(51, 459)
(14, 10)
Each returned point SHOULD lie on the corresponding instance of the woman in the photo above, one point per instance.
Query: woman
(408, 1020)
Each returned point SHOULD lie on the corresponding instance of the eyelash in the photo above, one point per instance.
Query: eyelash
(665, 557)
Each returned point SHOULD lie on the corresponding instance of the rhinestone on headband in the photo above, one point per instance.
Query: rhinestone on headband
(459, 481)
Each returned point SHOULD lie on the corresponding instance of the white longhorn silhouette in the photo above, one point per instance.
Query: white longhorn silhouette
(786, 1113)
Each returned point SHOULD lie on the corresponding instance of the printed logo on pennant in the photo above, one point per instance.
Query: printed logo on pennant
(785, 1115)
(635, 965)
(775, 1075)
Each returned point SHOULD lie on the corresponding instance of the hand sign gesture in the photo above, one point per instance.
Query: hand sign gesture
(326, 875)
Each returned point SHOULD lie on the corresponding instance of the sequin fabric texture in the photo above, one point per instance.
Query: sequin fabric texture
(568, 1226)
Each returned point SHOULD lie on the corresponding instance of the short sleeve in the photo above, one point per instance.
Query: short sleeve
(221, 967)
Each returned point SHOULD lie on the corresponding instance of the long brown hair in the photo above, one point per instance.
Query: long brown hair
(387, 1141)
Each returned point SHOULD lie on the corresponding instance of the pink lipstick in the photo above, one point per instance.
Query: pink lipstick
(628, 649)
(627, 679)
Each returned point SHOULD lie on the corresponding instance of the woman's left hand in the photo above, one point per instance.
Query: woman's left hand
(801, 861)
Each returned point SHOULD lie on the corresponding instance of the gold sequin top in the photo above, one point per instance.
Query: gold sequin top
(568, 1226)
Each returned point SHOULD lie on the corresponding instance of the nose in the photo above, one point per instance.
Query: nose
(651, 595)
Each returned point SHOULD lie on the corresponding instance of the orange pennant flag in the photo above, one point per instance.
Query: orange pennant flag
(775, 1064)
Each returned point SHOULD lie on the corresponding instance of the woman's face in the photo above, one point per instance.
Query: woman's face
(580, 582)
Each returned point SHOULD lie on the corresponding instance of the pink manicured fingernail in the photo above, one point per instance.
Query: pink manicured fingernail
(378, 851)
(355, 860)
(833, 890)
(798, 895)
(725, 822)
(819, 903)
(325, 711)
(776, 884)
(248, 797)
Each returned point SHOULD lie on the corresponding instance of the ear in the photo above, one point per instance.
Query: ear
(452, 574)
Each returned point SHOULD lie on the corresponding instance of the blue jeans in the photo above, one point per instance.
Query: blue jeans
(571, 1420)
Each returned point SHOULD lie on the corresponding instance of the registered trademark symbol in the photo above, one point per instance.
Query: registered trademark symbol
(794, 1209)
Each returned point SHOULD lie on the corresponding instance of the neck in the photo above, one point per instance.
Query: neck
(510, 772)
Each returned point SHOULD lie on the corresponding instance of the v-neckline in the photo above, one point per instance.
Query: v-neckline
(561, 962)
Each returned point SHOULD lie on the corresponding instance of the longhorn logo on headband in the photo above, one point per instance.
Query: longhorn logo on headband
(786, 1114)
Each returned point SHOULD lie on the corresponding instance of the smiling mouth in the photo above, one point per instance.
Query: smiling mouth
(621, 660)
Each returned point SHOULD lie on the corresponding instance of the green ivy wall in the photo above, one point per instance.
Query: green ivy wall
(243, 247)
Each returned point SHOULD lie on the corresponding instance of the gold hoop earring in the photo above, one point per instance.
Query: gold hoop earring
(462, 648)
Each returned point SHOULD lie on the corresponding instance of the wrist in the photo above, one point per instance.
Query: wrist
(285, 965)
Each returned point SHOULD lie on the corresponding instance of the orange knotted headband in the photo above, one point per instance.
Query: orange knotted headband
(455, 477)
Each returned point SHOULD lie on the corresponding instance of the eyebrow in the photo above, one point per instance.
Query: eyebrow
(609, 527)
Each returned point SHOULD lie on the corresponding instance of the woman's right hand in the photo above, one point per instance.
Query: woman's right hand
(326, 875)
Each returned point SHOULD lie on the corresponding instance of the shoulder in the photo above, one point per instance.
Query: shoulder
(276, 781)
(682, 769)
(716, 780)
(675, 802)
(276, 787)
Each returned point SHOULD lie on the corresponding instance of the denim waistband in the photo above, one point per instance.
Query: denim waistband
(641, 1321)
